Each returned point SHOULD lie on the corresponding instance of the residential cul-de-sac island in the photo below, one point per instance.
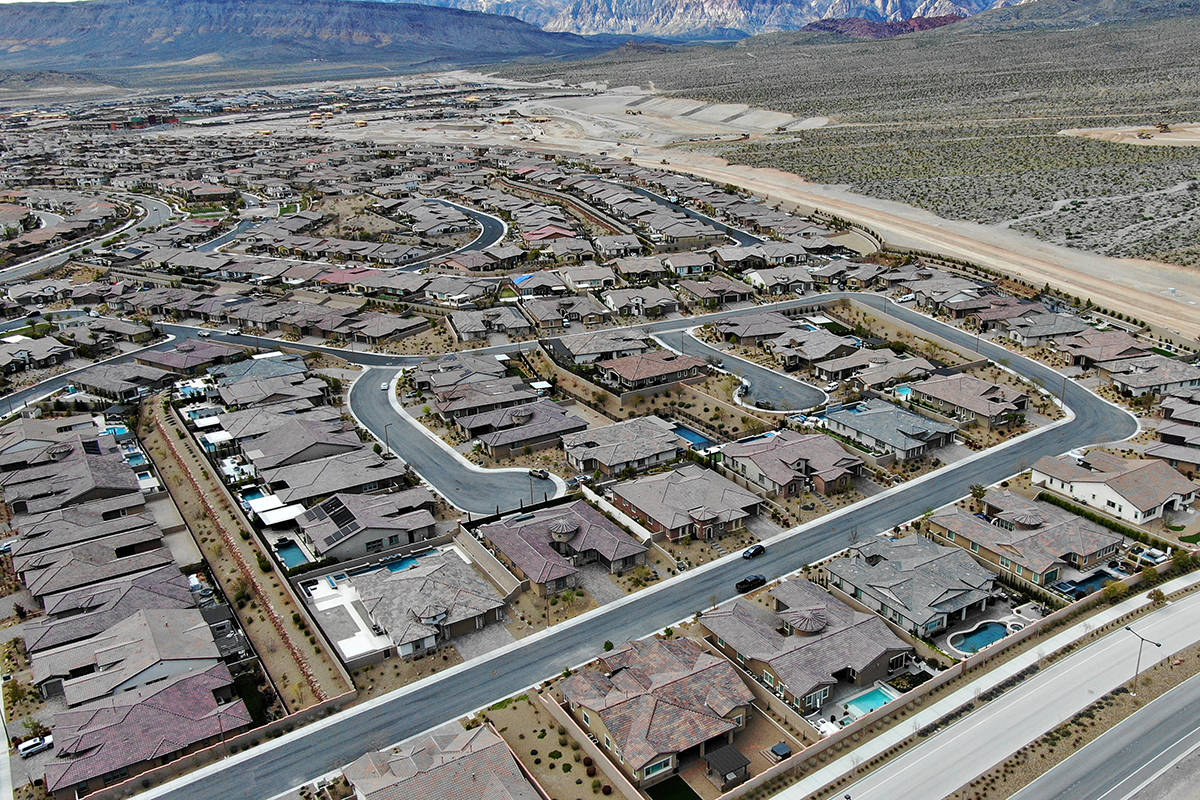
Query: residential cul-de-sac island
(380, 466)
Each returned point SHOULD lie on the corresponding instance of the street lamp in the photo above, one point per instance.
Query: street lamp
(387, 440)
(1142, 641)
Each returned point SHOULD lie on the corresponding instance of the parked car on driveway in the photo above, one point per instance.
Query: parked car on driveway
(750, 583)
(35, 745)
(753, 551)
(539, 473)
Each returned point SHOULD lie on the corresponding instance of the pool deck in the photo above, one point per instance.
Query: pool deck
(999, 611)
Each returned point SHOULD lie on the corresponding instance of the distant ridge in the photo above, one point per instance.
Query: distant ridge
(279, 36)
(859, 28)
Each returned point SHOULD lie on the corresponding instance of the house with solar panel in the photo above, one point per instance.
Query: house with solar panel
(348, 526)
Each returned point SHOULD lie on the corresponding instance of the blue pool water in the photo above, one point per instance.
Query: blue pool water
(136, 460)
(116, 430)
(866, 703)
(768, 435)
(903, 391)
(253, 494)
(402, 564)
(981, 637)
(290, 554)
(699, 441)
(191, 391)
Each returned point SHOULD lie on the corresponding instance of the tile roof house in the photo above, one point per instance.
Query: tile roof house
(647, 370)
(918, 584)
(650, 700)
(351, 525)
(970, 399)
(879, 425)
(535, 426)
(143, 648)
(547, 547)
(117, 737)
(470, 325)
(91, 609)
(455, 369)
(1031, 540)
(588, 348)
(800, 346)
(790, 463)
(468, 399)
(449, 763)
(636, 444)
(122, 382)
(422, 607)
(688, 501)
(299, 440)
(645, 301)
(1092, 346)
(1034, 329)
(1134, 489)
(354, 472)
(76, 472)
(808, 644)
(1151, 374)
(756, 327)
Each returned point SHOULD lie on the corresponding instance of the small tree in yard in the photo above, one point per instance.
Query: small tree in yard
(978, 490)
(608, 645)
(1182, 560)
(1115, 592)
(1150, 576)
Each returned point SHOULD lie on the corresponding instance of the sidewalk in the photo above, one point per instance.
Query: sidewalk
(815, 781)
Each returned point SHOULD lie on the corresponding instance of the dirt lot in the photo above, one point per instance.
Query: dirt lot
(434, 341)
(392, 673)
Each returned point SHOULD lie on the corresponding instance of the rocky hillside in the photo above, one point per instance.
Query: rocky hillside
(105, 35)
(858, 28)
(695, 19)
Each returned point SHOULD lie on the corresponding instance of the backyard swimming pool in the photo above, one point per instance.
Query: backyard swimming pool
(402, 564)
(867, 702)
(253, 494)
(699, 441)
(136, 460)
(116, 430)
(290, 554)
(902, 391)
(980, 637)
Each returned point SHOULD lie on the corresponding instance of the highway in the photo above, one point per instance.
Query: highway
(312, 751)
(1146, 749)
(943, 762)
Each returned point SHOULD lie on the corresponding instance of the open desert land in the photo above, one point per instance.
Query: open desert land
(1178, 135)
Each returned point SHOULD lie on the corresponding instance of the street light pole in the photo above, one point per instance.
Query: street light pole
(1142, 641)
(387, 439)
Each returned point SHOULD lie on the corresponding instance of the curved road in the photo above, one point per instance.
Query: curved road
(314, 750)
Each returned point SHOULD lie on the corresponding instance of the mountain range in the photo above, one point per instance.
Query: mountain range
(699, 19)
(287, 38)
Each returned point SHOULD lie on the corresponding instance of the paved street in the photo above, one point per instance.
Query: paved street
(1151, 755)
(769, 388)
(739, 236)
(942, 763)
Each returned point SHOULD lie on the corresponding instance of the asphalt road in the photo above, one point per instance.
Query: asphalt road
(157, 213)
(311, 752)
(1139, 757)
(948, 760)
(769, 389)
(467, 487)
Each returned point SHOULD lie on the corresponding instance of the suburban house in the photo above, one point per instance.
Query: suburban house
(468, 399)
(355, 472)
(353, 525)
(1134, 489)
(423, 606)
(644, 301)
(1092, 347)
(922, 586)
(647, 370)
(1035, 329)
(115, 738)
(631, 446)
(449, 762)
(531, 426)
(879, 426)
(506, 320)
(604, 345)
(789, 463)
(688, 501)
(1152, 374)
(555, 314)
(719, 290)
(971, 400)
(807, 645)
(547, 547)
(1034, 541)
(654, 703)
(801, 346)
(143, 648)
